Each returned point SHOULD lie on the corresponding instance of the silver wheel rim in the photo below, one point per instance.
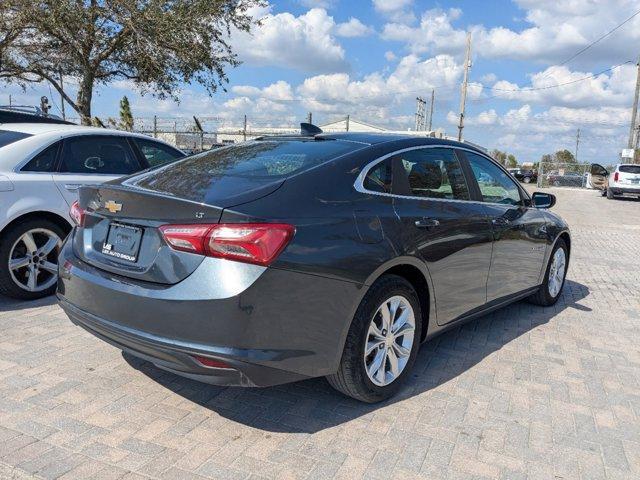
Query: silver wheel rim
(556, 272)
(527, 180)
(389, 340)
(33, 260)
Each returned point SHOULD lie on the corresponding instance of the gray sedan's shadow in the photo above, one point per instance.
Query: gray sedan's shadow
(312, 405)
(10, 304)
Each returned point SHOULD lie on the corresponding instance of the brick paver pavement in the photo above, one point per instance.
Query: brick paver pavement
(523, 393)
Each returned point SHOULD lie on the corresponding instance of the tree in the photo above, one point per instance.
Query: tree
(499, 156)
(156, 44)
(564, 156)
(511, 161)
(126, 118)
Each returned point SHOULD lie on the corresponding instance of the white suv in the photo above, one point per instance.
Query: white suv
(42, 165)
(624, 181)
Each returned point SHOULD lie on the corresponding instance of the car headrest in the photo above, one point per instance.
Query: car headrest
(425, 175)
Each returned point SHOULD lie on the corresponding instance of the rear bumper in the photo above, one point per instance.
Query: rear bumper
(625, 190)
(280, 327)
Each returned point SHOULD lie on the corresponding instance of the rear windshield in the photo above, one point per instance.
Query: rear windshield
(257, 162)
(7, 137)
(630, 169)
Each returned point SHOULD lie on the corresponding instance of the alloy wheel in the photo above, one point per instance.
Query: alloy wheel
(389, 340)
(33, 260)
(556, 272)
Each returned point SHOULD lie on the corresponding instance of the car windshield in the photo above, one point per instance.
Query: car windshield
(8, 137)
(630, 169)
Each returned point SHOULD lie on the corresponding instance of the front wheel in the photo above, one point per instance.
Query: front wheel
(29, 259)
(554, 278)
(610, 194)
(382, 343)
(527, 180)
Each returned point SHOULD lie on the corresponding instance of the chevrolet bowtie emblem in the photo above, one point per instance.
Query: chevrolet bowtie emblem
(112, 206)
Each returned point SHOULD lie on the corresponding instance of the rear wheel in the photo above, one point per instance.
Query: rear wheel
(554, 278)
(610, 194)
(29, 259)
(382, 342)
(527, 180)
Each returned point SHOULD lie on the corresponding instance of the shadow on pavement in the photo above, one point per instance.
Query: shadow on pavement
(312, 405)
(11, 304)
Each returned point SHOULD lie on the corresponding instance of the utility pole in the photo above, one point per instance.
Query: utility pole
(634, 110)
(465, 83)
(64, 117)
(309, 118)
(420, 113)
(577, 143)
(9, 100)
(244, 129)
(347, 120)
(433, 99)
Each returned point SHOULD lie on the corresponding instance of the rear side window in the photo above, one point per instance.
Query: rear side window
(157, 153)
(98, 155)
(379, 178)
(434, 173)
(255, 162)
(635, 169)
(8, 137)
(45, 161)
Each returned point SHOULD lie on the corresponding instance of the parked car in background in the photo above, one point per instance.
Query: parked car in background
(623, 181)
(523, 175)
(568, 179)
(42, 166)
(285, 258)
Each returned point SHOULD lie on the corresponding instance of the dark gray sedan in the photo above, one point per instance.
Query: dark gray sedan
(286, 258)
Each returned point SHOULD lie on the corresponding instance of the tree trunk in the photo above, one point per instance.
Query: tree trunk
(85, 93)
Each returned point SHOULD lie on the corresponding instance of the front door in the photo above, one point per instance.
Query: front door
(519, 231)
(440, 224)
(93, 159)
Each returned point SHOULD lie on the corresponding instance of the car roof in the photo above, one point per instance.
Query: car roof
(39, 128)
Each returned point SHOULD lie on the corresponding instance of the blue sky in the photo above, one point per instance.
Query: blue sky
(371, 58)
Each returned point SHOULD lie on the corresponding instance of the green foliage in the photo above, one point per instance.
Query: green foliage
(507, 159)
(157, 45)
(564, 156)
(511, 161)
(126, 118)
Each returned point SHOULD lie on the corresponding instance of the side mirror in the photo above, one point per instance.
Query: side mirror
(543, 200)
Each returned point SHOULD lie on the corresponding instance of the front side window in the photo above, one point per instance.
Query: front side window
(96, 155)
(433, 173)
(157, 153)
(45, 161)
(379, 177)
(495, 185)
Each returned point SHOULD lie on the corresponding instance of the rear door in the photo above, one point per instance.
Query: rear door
(519, 230)
(442, 226)
(93, 159)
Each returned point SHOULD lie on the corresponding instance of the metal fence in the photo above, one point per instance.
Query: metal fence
(554, 174)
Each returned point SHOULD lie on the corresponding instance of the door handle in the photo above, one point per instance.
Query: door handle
(72, 187)
(426, 222)
(500, 222)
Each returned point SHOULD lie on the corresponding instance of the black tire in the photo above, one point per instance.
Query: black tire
(542, 297)
(610, 194)
(527, 180)
(8, 286)
(351, 377)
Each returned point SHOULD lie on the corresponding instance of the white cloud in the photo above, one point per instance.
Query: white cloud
(396, 10)
(304, 43)
(353, 28)
(326, 4)
(390, 56)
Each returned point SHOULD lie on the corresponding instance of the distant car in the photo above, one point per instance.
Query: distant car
(624, 181)
(523, 175)
(568, 179)
(42, 166)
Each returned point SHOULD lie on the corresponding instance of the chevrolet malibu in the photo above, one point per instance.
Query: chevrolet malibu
(286, 258)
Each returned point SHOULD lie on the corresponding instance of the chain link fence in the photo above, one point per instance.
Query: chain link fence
(554, 174)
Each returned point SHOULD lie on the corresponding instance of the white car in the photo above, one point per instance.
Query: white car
(42, 165)
(624, 181)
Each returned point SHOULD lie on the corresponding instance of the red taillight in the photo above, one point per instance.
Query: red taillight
(258, 243)
(616, 176)
(77, 214)
(210, 362)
